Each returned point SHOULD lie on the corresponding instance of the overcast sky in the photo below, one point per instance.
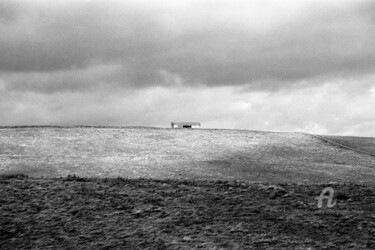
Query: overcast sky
(279, 65)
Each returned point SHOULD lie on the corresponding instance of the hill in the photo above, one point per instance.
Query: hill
(197, 190)
(200, 154)
(363, 144)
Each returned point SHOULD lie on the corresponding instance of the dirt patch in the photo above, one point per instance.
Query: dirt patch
(180, 214)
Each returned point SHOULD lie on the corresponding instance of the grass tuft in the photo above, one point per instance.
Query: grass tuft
(13, 176)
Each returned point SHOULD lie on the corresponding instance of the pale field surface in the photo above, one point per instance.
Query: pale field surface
(252, 156)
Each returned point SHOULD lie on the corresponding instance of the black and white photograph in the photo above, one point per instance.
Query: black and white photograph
(187, 124)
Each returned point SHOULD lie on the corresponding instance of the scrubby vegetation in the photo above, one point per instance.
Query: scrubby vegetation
(86, 213)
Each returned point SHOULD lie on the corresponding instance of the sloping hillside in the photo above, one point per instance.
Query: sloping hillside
(170, 154)
(364, 144)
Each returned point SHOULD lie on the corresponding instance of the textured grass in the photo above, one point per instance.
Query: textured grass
(196, 190)
(365, 144)
(180, 154)
(81, 213)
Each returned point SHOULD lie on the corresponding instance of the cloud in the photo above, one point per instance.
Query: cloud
(306, 65)
(260, 44)
(68, 80)
(324, 109)
(8, 11)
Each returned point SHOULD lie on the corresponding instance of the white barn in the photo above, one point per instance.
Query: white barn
(186, 124)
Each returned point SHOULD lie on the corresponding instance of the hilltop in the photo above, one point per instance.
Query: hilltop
(199, 154)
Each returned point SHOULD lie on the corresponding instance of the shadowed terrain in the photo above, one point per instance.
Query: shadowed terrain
(81, 213)
(181, 154)
(365, 144)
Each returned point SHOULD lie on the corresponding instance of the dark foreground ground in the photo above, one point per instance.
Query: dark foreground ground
(79, 213)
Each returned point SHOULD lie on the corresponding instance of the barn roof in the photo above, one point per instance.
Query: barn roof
(187, 123)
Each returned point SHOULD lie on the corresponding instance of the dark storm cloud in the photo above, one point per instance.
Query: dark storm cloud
(71, 80)
(8, 11)
(46, 46)
(66, 34)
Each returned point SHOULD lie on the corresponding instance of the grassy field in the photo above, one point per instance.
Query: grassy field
(180, 154)
(365, 144)
(80, 213)
(149, 188)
